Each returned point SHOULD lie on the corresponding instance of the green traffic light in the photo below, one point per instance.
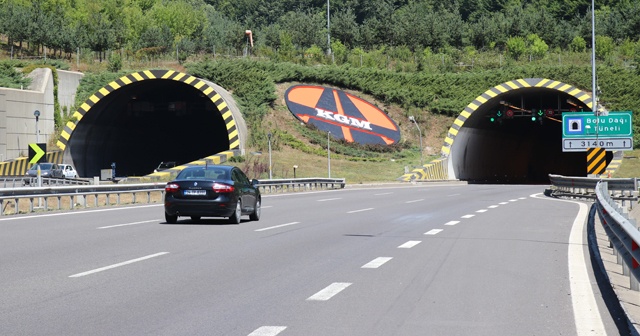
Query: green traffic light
(533, 118)
(492, 119)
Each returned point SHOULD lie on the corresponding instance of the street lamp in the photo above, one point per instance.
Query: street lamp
(36, 114)
(412, 119)
(328, 154)
(269, 136)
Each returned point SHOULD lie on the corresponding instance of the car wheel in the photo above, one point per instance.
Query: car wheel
(195, 218)
(235, 218)
(255, 216)
(171, 219)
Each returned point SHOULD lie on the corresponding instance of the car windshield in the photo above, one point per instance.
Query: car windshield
(202, 173)
(43, 166)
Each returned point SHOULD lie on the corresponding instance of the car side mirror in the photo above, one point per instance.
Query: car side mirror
(255, 182)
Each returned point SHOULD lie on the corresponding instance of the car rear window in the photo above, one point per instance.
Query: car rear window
(199, 174)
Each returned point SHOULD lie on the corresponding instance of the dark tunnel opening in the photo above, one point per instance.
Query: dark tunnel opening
(517, 138)
(144, 123)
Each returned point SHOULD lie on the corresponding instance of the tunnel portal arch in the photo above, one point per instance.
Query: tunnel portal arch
(150, 116)
(518, 149)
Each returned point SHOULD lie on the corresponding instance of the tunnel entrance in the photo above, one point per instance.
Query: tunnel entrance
(514, 135)
(143, 123)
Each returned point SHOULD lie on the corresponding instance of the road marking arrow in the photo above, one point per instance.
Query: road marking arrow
(39, 153)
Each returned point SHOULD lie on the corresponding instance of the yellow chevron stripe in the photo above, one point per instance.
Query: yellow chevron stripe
(190, 79)
(104, 91)
(114, 85)
(179, 76)
(137, 76)
(168, 74)
(94, 99)
(542, 82)
(149, 74)
(465, 114)
(523, 82)
(481, 99)
(491, 93)
(511, 84)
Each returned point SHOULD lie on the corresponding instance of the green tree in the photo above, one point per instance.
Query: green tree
(578, 44)
(536, 46)
(604, 47)
(516, 47)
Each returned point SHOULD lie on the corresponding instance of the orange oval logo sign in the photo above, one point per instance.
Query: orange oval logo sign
(344, 115)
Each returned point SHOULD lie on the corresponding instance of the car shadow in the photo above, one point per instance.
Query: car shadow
(203, 221)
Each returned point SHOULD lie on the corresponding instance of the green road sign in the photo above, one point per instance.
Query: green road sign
(587, 125)
(37, 152)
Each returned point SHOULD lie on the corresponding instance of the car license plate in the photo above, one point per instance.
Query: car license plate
(195, 192)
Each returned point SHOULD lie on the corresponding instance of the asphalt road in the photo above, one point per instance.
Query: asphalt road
(414, 260)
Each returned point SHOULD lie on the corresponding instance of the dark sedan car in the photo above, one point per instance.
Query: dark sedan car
(212, 191)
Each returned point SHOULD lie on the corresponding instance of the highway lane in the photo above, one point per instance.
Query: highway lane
(445, 260)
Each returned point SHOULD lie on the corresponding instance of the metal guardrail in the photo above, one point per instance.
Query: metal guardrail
(34, 195)
(301, 184)
(622, 189)
(19, 181)
(622, 232)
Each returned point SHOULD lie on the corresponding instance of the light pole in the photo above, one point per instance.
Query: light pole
(36, 114)
(269, 136)
(328, 155)
(412, 119)
(328, 31)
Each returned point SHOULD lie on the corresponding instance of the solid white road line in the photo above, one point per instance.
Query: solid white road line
(492, 206)
(452, 223)
(277, 226)
(329, 292)
(482, 210)
(433, 232)
(467, 216)
(329, 199)
(117, 265)
(585, 309)
(377, 262)
(419, 200)
(268, 331)
(361, 210)
(410, 244)
(127, 224)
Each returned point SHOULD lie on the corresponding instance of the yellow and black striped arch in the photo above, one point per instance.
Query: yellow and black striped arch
(496, 91)
(208, 91)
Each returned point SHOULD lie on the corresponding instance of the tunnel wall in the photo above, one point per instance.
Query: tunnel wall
(236, 134)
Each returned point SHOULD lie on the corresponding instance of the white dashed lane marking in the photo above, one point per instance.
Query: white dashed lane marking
(387, 193)
(452, 223)
(268, 331)
(467, 216)
(415, 201)
(433, 232)
(522, 198)
(361, 210)
(101, 269)
(503, 203)
(492, 206)
(329, 292)
(277, 226)
(513, 200)
(482, 210)
(410, 244)
(329, 199)
(377, 262)
(129, 224)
